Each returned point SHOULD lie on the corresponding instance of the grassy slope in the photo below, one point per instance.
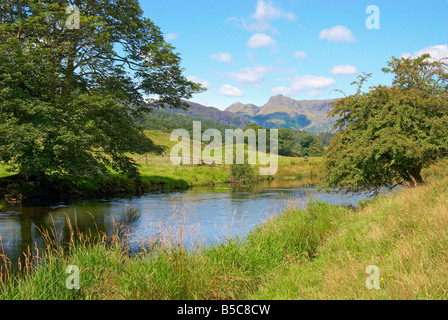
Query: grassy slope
(158, 171)
(318, 253)
(160, 168)
(406, 236)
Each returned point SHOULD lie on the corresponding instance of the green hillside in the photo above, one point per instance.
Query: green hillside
(212, 114)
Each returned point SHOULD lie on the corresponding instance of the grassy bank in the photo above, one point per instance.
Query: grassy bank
(157, 173)
(318, 253)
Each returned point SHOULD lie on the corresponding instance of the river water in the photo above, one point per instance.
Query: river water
(205, 215)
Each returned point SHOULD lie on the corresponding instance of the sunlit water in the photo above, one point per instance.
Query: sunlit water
(205, 215)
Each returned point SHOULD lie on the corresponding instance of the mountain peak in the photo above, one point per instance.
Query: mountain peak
(282, 103)
(280, 99)
(246, 109)
(285, 112)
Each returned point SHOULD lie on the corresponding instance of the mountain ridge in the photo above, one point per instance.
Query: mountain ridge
(211, 113)
(284, 112)
(279, 112)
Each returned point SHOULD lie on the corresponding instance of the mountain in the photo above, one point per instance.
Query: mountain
(278, 112)
(243, 109)
(284, 112)
(212, 114)
(168, 121)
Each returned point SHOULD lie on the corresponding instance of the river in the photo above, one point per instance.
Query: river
(198, 215)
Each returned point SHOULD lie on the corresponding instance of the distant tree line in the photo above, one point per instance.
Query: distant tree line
(168, 122)
(291, 142)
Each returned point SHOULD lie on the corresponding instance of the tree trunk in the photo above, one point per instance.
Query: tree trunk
(413, 177)
(417, 175)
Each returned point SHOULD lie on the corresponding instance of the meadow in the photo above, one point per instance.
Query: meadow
(157, 172)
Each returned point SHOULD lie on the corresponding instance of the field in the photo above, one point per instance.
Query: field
(289, 168)
(158, 172)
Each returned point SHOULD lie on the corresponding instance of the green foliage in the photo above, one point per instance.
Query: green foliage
(68, 98)
(167, 122)
(311, 146)
(389, 134)
(290, 145)
(242, 173)
(286, 142)
(325, 138)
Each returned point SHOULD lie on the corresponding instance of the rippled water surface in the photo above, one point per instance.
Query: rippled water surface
(205, 214)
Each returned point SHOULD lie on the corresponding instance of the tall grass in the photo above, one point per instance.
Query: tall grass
(227, 271)
(320, 252)
(406, 236)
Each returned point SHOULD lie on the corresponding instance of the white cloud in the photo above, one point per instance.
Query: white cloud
(196, 79)
(286, 91)
(252, 75)
(261, 19)
(312, 85)
(171, 36)
(265, 11)
(259, 40)
(229, 91)
(222, 57)
(299, 55)
(436, 52)
(337, 34)
(344, 69)
(314, 94)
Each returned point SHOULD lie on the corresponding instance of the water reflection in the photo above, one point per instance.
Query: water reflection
(202, 214)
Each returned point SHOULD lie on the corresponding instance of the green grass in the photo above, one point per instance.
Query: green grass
(406, 236)
(4, 171)
(228, 271)
(158, 172)
(321, 252)
(289, 168)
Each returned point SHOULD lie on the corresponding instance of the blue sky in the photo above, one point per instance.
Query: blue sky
(248, 50)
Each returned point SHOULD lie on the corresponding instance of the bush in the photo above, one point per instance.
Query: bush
(242, 173)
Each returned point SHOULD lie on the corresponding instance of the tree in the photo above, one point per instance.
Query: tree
(256, 128)
(242, 173)
(68, 97)
(286, 142)
(325, 138)
(389, 134)
(311, 146)
(316, 149)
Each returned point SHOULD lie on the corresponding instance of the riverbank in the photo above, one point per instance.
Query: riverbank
(157, 173)
(318, 253)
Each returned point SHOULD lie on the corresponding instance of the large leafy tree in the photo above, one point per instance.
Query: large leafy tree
(69, 96)
(390, 133)
(286, 142)
(311, 146)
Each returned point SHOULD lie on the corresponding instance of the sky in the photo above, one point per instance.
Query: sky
(249, 50)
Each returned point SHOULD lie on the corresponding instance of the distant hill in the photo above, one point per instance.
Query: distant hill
(213, 114)
(168, 121)
(278, 112)
(284, 112)
(165, 122)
